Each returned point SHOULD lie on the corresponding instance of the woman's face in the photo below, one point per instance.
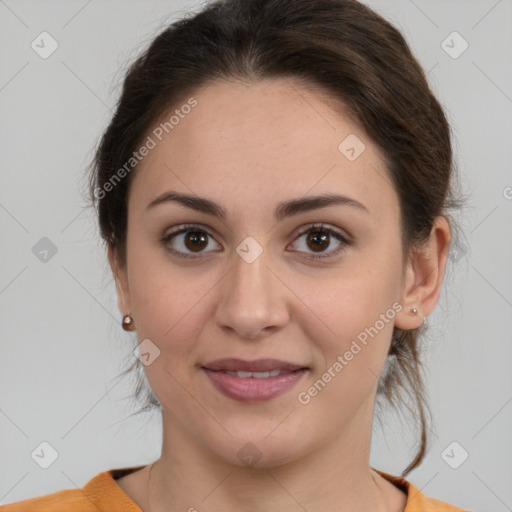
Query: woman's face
(247, 286)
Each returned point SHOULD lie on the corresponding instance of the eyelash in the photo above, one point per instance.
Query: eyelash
(185, 228)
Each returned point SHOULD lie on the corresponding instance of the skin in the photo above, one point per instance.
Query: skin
(249, 147)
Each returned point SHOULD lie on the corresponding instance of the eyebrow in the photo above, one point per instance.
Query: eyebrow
(283, 210)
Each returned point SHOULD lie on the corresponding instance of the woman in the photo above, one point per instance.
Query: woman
(273, 192)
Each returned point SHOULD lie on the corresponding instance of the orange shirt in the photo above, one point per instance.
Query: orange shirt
(102, 494)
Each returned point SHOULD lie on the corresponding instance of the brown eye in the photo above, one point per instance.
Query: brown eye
(317, 239)
(196, 240)
(187, 240)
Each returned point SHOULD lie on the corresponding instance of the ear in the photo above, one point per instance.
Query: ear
(121, 280)
(424, 276)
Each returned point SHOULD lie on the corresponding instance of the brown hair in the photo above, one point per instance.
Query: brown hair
(343, 48)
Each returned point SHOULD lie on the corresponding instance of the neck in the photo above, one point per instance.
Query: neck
(336, 476)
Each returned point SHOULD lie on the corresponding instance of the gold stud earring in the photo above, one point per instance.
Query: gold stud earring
(128, 323)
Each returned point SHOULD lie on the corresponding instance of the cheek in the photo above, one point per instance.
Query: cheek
(352, 359)
(170, 304)
(158, 296)
(169, 308)
(357, 310)
(360, 330)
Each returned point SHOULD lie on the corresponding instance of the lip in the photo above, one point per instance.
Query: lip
(253, 389)
(258, 365)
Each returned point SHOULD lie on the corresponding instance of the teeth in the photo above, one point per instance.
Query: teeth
(261, 375)
(256, 375)
(244, 374)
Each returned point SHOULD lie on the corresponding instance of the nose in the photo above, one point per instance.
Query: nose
(252, 300)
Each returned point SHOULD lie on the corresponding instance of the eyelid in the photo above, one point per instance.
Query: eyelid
(326, 227)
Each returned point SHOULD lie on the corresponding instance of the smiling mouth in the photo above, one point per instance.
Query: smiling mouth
(253, 381)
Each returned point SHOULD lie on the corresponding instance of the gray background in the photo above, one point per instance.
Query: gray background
(61, 343)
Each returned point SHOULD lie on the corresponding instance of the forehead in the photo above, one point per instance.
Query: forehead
(268, 139)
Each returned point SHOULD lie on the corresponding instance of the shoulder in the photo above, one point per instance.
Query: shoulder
(416, 500)
(65, 500)
(100, 494)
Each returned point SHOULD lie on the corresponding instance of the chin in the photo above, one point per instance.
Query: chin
(258, 451)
